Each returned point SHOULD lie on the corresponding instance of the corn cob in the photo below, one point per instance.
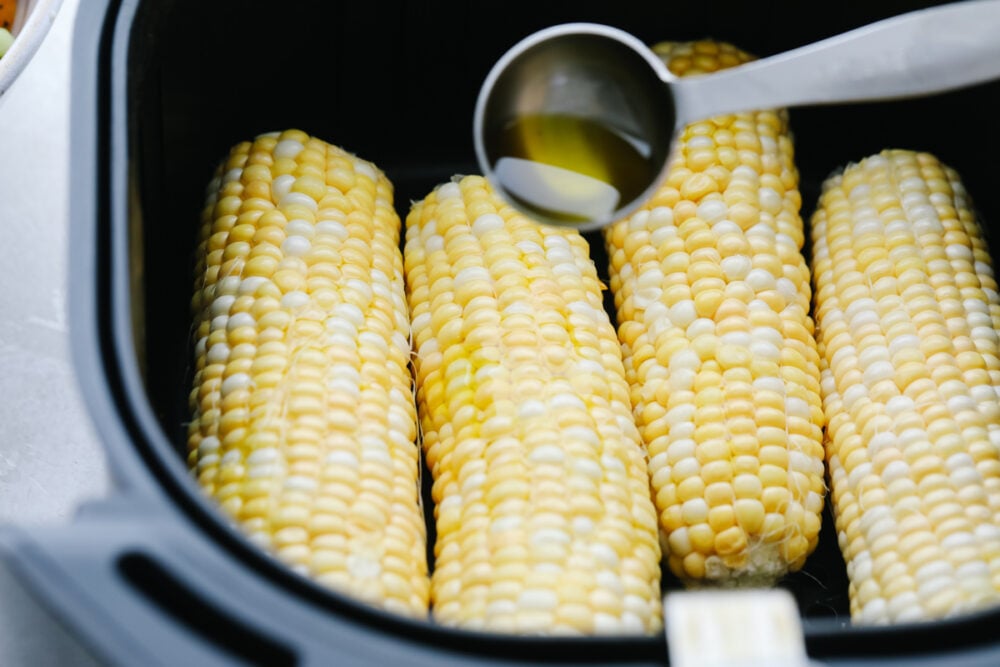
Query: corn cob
(304, 422)
(544, 519)
(712, 295)
(907, 313)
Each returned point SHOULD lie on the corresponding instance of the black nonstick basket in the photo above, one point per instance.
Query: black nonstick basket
(161, 90)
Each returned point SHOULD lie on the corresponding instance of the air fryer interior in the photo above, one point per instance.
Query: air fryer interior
(396, 82)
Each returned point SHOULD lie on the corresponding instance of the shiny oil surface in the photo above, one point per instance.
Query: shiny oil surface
(570, 168)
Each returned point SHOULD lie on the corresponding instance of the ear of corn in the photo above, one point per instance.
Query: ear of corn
(712, 296)
(304, 422)
(908, 313)
(544, 518)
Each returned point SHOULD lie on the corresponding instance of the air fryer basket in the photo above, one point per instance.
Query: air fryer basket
(161, 91)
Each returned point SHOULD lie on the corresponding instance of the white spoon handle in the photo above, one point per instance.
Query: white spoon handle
(921, 52)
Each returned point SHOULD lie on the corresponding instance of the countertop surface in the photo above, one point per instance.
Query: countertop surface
(50, 457)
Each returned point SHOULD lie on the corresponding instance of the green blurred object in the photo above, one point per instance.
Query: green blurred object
(6, 39)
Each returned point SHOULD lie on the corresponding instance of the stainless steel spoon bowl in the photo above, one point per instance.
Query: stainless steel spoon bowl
(610, 84)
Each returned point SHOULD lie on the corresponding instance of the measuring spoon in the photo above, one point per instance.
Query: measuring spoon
(574, 125)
